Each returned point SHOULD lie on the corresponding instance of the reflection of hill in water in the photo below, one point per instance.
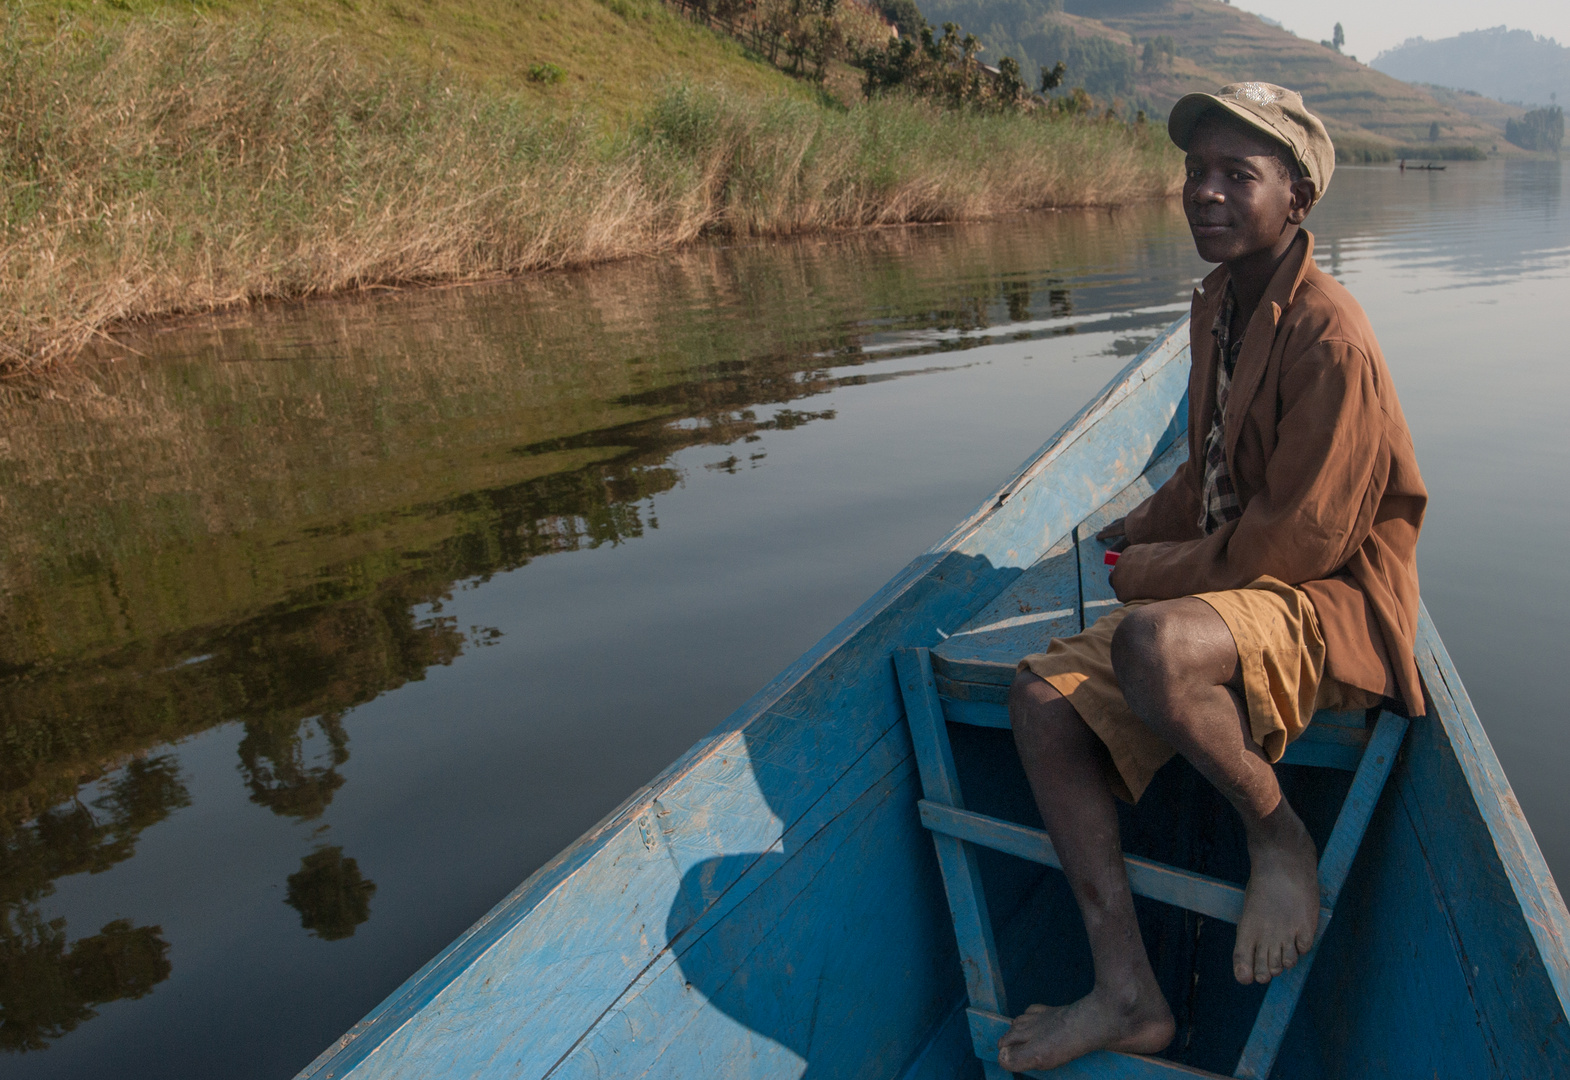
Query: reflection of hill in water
(261, 524)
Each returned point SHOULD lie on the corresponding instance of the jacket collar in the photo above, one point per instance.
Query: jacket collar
(1282, 289)
(1258, 337)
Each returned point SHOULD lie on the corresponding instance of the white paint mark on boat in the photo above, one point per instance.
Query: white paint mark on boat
(1018, 620)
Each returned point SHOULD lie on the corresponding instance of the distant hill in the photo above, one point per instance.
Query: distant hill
(1150, 52)
(1511, 65)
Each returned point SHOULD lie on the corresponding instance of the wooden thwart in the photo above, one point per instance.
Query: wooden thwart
(1146, 877)
(1339, 743)
(1328, 746)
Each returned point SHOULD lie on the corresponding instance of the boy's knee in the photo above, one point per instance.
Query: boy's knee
(1144, 644)
(1029, 696)
(1154, 655)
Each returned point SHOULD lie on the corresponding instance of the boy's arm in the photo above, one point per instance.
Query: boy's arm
(1171, 512)
(1318, 501)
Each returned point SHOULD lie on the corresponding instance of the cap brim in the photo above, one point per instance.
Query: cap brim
(1190, 108)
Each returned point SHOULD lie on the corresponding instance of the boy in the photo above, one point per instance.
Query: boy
(1273, 574)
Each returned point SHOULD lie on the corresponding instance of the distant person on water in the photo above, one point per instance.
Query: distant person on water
(1274, 574)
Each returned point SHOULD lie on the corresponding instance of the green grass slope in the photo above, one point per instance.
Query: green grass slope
(159, 158)
(613, 54)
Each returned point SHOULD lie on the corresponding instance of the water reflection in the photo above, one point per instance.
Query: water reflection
(47, 985)
(330, 894)
(47, 988)
(262, 525)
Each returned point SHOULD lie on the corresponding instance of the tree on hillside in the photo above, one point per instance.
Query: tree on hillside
(1011, 84)
(1433, 131)
(1540, 129)
(905, 16)
(1158, 52)
(1338, 37)
(946, 70)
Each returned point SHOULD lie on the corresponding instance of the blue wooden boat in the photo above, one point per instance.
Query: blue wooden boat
(774, 904)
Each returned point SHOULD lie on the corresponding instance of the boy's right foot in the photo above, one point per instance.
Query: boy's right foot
(1135, 1020)
(1281, 905)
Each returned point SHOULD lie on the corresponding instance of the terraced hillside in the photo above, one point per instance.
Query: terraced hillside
(1214, 39)
(1213, 43)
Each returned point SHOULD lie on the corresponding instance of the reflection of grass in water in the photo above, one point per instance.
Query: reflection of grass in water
(157, 165)
(284, 521)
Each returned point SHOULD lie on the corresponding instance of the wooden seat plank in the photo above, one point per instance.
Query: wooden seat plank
(1326, 744)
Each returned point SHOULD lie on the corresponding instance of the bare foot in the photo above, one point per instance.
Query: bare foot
(1135, 1020)
(1281, 904)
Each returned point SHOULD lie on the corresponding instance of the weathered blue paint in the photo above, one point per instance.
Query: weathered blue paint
(771, 905)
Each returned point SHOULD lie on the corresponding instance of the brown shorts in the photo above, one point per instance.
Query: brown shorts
(1283, 659)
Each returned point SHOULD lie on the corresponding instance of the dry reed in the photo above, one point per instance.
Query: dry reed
(167, 167)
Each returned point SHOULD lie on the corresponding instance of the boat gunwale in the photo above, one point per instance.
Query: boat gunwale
(1541, 904)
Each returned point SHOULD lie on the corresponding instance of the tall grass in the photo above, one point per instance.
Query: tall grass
(165, 167)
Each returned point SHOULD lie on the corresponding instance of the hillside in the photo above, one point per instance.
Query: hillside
(159, 158)
(1211, 43)
(611, 54)
(1510, 65)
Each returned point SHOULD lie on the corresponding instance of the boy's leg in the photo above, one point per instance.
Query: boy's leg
(1178, 668)
(1067, 765)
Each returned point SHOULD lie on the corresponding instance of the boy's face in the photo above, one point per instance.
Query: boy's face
(1237, 196)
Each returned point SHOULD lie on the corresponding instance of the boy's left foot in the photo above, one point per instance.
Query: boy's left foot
(1281, 906)
(1133, 1018)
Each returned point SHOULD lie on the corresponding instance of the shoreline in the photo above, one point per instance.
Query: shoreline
(107, 337)
(160, 170)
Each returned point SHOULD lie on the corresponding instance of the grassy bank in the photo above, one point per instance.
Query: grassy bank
(161, 166)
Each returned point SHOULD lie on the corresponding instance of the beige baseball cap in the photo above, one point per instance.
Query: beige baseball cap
(1271, 110)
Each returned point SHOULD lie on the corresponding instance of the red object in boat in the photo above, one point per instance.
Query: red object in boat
(1110, 558)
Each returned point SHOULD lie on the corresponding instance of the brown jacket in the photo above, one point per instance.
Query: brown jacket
(1324, 469)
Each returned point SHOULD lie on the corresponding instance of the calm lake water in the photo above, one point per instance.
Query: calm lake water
(322, 628)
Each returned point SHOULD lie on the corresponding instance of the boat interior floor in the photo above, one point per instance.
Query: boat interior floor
(1185, 846)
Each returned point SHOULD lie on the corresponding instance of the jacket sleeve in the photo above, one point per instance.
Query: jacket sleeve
(1171, 512)
(1317, 503)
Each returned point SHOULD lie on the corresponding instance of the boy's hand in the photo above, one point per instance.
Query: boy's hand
(1113, 534)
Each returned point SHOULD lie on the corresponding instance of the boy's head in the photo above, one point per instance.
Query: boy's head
(1257, 161)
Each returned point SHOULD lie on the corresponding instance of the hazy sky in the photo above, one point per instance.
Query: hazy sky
(1375, 25)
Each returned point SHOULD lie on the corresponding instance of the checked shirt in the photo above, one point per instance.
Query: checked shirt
(1218, 500)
